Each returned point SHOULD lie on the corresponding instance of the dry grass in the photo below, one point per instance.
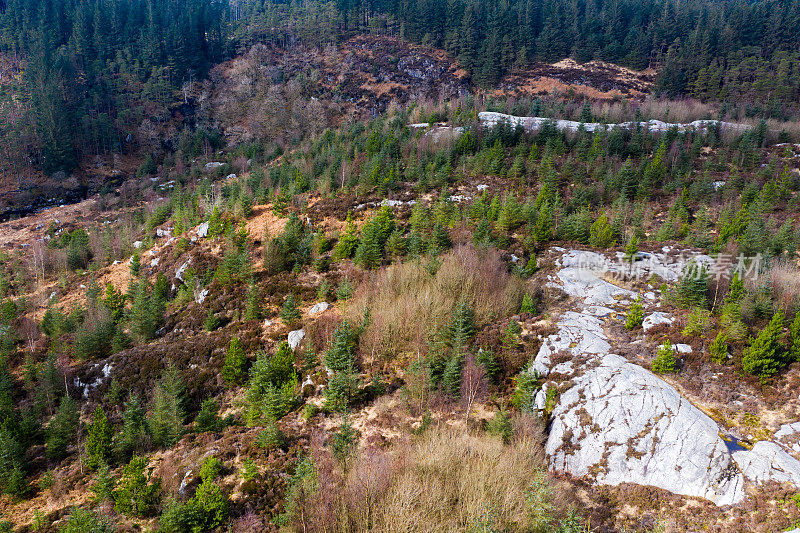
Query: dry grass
(407, 303)
(449, 479)
(783, 278)
(456, 481)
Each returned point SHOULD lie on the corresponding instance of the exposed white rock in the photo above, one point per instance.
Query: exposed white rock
(137, 244)
(787, 430)
(163, 232)
(621, 424)
(682, 348)
(295, 338)
(656, 319)
(307, 388)
(230, 177)
(319, 308)
(182, 269)
(202, 230)
(268, 323)
(154, 262)
(578, 333)
(491, 119)
(200, 297)
(718, 185)
(213, 165)
(768, 461)
(580, 278)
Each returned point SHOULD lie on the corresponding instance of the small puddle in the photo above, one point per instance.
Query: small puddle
(733, 444)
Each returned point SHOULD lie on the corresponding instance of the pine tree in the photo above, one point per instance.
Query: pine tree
(600, 234)
(253, 309)
(98, 440)
(290, 313)
(133, 435)
(794, 338)
(165, 419)
(138, 492)
(766, 356)
(62, 429)
(233, 371)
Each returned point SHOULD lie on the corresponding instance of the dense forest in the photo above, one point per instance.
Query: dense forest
(97, 72)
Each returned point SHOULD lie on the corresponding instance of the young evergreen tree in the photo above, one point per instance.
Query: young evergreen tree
(100, 434)
(290, 313)
(766, 355)
(62, 429)
(233, 371)
(165, 418)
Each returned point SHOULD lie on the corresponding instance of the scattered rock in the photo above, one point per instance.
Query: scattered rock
(202, 230)
(656, 319)
(137, 244)
(295, 338)
(319, 308)
(201, 296)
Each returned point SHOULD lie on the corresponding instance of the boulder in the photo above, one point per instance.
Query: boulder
(619, 423)
(319, 308)
(202, 230)
(767, 461)
(295, 338)
(656, 319)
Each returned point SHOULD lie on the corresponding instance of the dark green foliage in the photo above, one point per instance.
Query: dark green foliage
(62, 429)
(664, 362)
(600, 234)
(348, 242)
(271, 437)
(206, 510)
(794, 338)
(374, 235)
(341, 355)
(138, 492)
(344, 442)
(95, 339)
(290, 250)
(489, 362)
(253, 309)
(290, 313)
(135, 264)
(78, 252)
(527, 305)
(234, 369)
(207, 418)
(165, 417)
(99, 435)
(766, 355)
(132, 436)
(83, 521)
(271, 389)
(345, 290)
(718, 349)
(500, 426)
(147, 311)
(692, 287)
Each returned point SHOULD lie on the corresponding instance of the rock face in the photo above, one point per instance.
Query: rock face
(767, 461)
(656, 319)
(491, 119)
(622, 424)
(616, 422)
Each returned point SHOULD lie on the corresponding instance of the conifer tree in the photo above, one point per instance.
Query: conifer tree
(233, 371)
(62, 428)
(165, 419)
(766, 355)
(98, 440)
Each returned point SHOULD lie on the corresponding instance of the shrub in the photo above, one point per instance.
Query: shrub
(692, 287)
(344, 442)
(601, 234)
(138, 492)
(207, 418)
(83, 521)
(698, 323)
(794, 338)
(345, 290)
(99, 436)
(766, 356)
(500, 426)
(665, 362)
(718, 349)
(527, 385)
(348, 241)
(290, 314)
(271, 437)
(133, 434)
(253, 309)
(233, 371)
(635, 315)
(271, 389)
(527, 305)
